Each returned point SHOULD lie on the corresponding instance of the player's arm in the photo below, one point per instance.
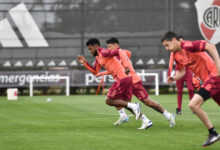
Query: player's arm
(93, 69)
(102, 73)
(179, 74)
(211, 49)
(198, 46)
(128, 53)
(109, 53)
(170, 69)
(124, 60)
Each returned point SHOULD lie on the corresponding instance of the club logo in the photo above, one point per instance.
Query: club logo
(211, 17)
(208, 13)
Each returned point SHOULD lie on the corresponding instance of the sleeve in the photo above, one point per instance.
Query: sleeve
(194, 46)
(93, 69)
(170, 69)
(124, 58)
(128, 53)
(179, 66)
(103, 73)
(109, 53)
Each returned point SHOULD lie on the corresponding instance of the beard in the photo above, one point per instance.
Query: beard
(95, 53)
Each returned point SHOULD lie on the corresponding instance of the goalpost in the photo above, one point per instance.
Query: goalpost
(156, 77)
(34, 78)
(142, 75)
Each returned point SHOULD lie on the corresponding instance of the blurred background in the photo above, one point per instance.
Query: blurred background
(66, 25)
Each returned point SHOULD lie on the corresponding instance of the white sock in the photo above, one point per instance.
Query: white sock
(144, 118)
(167, 114)
(122, 113)
(131, 105)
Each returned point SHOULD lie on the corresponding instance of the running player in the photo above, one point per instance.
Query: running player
(137, 89)
(192, 55)
(119, 94)
(180, 83)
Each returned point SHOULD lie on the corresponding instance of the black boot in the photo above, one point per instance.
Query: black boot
(178, 111)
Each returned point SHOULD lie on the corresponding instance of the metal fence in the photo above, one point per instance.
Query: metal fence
(66, 25)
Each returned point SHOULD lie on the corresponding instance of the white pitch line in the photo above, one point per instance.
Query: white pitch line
(100, 118)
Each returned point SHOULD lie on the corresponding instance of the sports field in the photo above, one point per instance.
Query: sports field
(86, 123)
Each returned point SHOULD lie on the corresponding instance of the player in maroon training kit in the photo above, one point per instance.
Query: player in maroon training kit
(137, 88)
(119, 94)
(180, 83)
(192, 55)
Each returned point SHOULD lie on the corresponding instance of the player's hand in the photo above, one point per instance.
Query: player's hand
(170, 79)
(81, 59)
(218, 68)
(98, 75)
(127, 70)
(219, 72)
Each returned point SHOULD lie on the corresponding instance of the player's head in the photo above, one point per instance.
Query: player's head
(93, 45)
(171, 41)
(112, 43)
(180, 37)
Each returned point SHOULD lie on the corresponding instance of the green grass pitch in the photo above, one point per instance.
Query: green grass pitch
(86, 123)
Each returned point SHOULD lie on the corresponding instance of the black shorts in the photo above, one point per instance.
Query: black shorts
(204, 94)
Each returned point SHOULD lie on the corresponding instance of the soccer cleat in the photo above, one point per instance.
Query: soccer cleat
(137, 111)
(211, 140)
(121, 120)
(178, 111)
(172, 120)
(146, 125)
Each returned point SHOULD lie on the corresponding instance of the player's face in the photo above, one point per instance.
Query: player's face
(170, 45)
(181, 39)
(93, 49)
(112, 46)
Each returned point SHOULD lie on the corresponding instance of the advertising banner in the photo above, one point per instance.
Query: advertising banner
(78, 78)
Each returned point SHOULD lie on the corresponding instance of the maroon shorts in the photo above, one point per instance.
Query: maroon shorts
(121, 89)
(139, 91)
(213, 86)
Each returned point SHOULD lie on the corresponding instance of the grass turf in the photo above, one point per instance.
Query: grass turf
(86, 123)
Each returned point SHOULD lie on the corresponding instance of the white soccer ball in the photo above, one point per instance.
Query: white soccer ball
(49, 99)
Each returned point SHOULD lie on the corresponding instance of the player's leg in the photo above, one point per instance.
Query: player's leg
(123, 116)
(189, 84)
(136, 108)
(156, 106)
(140, 92)
(114, 95)
(120, 93)
(153, 104)
(179, 86)
(146, 122)
(195, 106)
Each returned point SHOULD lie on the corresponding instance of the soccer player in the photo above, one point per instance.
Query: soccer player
(180, 83)
(119, 94)
(192, 55)
(137, 89)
